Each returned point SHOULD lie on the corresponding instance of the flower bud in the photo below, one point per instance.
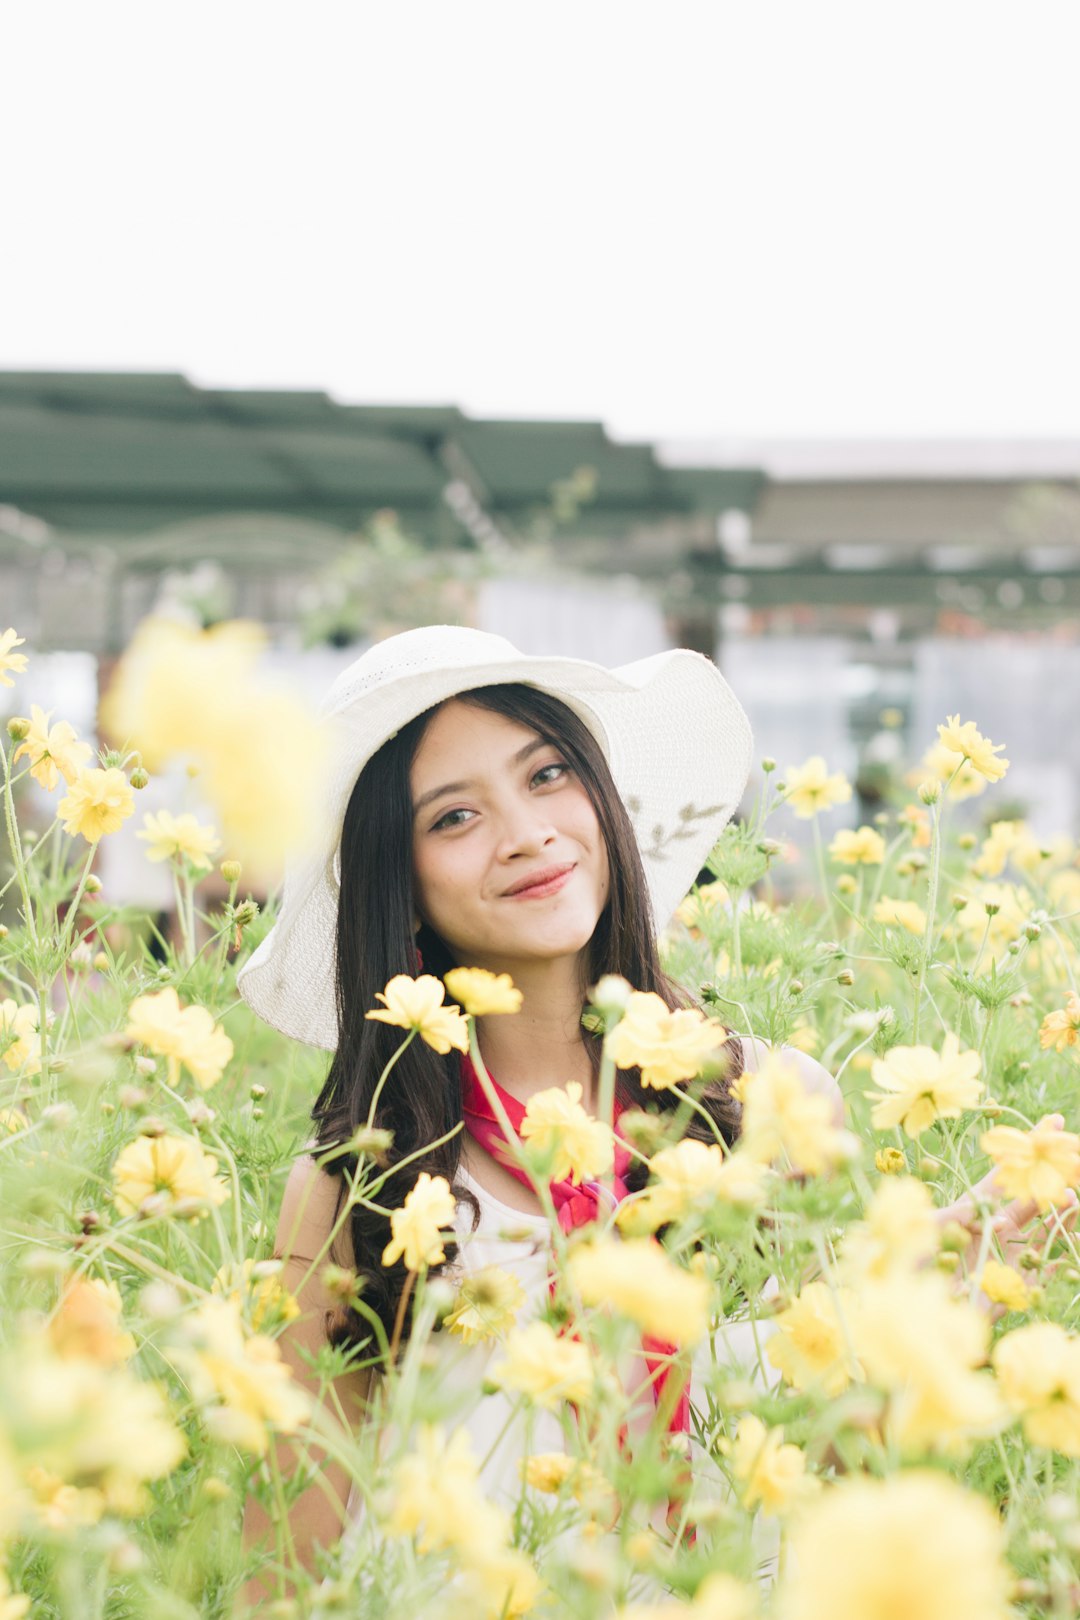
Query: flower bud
(846, 977)
(256, 1113)
(93, 884)
(200, 1113)
(246, 912)
(770, 847)
(1032, 930)
(60, 1115)
(991, 907)
(955, 1238)
(796, 987)
(846, 883)
(781, 787)
(101, 962)
(370, 1142)
(890, 1161)
(145, 1066)
(81, 955)
(967, 840)
(992, 1109)
(256, 1092)
(611, 994)
(340, 1282)
(3, 931)
(958, 901)
(152, 1125)
(18, 728)
(132, 1097)
(929, 792)
(112, 759)
(139, 778)
(230, 871)
(768, 764)
(89, 1220)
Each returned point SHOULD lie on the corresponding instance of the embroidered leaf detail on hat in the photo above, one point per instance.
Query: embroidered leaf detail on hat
(689, 817)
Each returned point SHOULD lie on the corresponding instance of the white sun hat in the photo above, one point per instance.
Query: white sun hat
(676, 739)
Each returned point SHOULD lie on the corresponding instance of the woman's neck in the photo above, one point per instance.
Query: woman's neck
(543, 1045)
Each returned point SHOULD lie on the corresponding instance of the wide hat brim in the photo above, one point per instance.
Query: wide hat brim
(676, 738)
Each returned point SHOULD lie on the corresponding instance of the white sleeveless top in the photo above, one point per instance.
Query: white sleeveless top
(501, 1429)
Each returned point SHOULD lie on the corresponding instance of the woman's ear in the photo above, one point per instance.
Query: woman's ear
(416, 924)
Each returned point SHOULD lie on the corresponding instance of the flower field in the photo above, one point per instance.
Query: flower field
(899, 1433)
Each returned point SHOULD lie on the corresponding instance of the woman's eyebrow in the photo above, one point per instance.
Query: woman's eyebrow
(463, 787)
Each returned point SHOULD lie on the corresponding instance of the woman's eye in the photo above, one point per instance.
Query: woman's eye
(448, 821)
(542, 774)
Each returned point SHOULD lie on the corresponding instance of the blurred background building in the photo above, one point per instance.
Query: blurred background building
(834, 583)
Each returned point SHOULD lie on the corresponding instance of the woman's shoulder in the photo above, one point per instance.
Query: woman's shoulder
(814, 1075)
(310, 1205)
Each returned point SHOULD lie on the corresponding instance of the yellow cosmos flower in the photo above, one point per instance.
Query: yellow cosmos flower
(417, 1227)
(13, 1605)
(770, 1474)
(919, 1086)
(899, 1232)
(967, 741)
(52, 752)
(183, 1035)
(939, 763)
(916, 1543)
(98, 802)
(917, 818)
(547, 1367)
(170, 1167)
(264, 1298)
(1038, 1373)
(20, 1038)
(184, 837)
(865, 847)
(1040, 1164)
(88, 1322)
(900, 914)
(1014, 907)
(811, 789)
(11, 663)
(418, 1004)
(486, 1306)
(638, 1280)
(239, 1379)
(1061, 1028)
(555, 1122)
(667, 1046)
(782, 1119)
(810, 1346)
(436, 1492)
(1004, 1286)
(690, 1178)
(700, 902)
(482, 993)
(1007, 841)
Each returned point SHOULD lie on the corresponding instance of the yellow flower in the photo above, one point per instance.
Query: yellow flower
(553, 1471)
(638, 1280)
(862, 848)
(915, 1544)
(184, 1035)
(810, 788)
(771, 1475)
(245, 1388)
(183, 836)
(418, 1004)
(940, 763)
(719, 1597)
(810, 1347)
(486, 1306)
(436, 1491)
(52, 753)
(11, 663)
(919, 1086)
(917, 817)
(898, 1233)
(1007, 840)
(690, 1178)
(417, 1225)
(547, 1367)
(482, 993)
(20, 1038)
(1038, 1373)
(667, 1046)
(97, 804)
(967, 741)
(921, 1344)
(1004, 1286)
(783, 1119)
(900, 913)
(13, 1605)
(1013, 911)
(265, 1298)
(890, 1161)
(1061, 1028)
(88, 1322)
(1040, 1164)
(171, 1167)
(693, 911)
(579, 1146)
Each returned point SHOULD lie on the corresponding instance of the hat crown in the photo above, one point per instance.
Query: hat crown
(411, 652)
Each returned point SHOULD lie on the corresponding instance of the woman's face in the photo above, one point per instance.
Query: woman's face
(495, 809)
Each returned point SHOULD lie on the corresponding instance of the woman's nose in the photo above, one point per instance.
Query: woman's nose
(525, 831)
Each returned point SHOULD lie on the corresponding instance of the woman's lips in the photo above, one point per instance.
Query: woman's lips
(539, 891)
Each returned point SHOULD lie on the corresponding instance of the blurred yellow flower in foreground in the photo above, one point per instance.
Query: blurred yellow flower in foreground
(918, 1086)
(266, 1300)
(1038, 1373)
(547, 1367)
(181, 693)
(486, 1306)
(916, 1544)
(636, 1278)
(811, 789)
(811, 1346)
(1041, 1164)
(11, 662)
(1061, 1028)
(556, 1124)
(170, 1168)
(719, 1597)
(20, 1038)
(97, 803)
(242, 1383)
(770, 1474)
(865, 847)
(1004, 1286)
(941, 763)
(901, 914)
(482, 993)
(693, 911)
(666, 1045)
(88, 1322)
(1007, 841)
(898, 1232)
(917, 818)
(784, 1119)
(968, 741)
(418, 1004)
(183, 1035)
(167, 836)
(417, 1227)
(52, 752)
(690, 1178)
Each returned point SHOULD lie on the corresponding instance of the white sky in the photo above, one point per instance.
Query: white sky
(690, 220)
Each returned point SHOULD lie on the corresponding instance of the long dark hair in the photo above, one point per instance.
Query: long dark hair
(421, 1100)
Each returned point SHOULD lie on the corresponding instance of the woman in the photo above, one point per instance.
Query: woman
(536, 817)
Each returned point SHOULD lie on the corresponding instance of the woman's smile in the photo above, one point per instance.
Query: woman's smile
(541, 884)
